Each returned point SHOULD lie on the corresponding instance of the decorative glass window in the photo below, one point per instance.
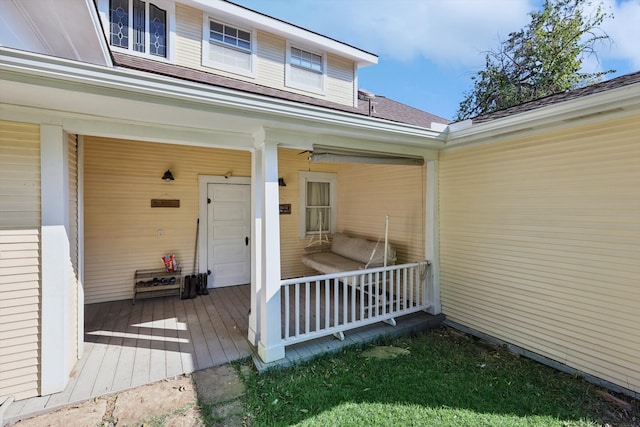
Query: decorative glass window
(318, 197)
(229, 48)
(305, 70)
(138, 26)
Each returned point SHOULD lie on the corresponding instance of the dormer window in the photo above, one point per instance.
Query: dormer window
(228, 47)
(140, 27)
(305, 70)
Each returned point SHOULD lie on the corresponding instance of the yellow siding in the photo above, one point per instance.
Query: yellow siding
(73, 247)
(367, 193)
(340, 78)
(120, 179)
(539, 245)
(270, 61)
(290, 162)
(19, 259)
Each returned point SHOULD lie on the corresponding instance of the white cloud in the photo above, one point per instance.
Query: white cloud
(624, 30)
(452, 33)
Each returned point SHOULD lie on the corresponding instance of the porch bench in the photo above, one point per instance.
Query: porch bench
(348, 253)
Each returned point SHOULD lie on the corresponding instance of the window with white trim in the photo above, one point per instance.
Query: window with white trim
(318, 201)
(305, 70)
(227, 47)
(139, 26)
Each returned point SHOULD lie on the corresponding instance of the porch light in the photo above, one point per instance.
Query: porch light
(168, 176)
(281, 182)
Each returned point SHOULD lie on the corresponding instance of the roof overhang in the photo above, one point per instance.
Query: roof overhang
(85, 93)
(66, 29)
(610, 104)
(242, 16)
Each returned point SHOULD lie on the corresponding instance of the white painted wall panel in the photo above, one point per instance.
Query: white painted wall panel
(19, 259)
(539, 245)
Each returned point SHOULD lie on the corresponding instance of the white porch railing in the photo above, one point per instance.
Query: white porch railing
(328, 304)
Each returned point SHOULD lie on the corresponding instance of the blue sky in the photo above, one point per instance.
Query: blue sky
(429, 49)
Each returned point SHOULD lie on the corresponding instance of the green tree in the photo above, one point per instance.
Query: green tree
(543, 58)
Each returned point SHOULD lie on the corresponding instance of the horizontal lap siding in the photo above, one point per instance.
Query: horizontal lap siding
(270, 59)
(367, 193)
(120, 179)
(19, 259)
(290, 163)
(539, 245)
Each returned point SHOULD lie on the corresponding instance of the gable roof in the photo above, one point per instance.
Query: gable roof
(624, 80)
(384, 108)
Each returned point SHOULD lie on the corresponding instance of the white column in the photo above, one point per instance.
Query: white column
(432, 237)
(270, 346)
(257, 184)
(55, 323)
(80, 273)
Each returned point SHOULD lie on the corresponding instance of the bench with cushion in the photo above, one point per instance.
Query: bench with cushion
(348, 253)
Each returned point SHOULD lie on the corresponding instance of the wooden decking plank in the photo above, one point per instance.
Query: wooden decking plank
(100, 336)
(124, 368)
(227, 308)
(142, 360)
(35, 404)
(171, 346)
(201, 352)
(226, 324)
(218, 356)
(158, 361)
(224, 335)
(104, 380)
(186, 345)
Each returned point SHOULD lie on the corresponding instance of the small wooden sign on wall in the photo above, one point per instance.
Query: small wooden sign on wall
(165, 203)
(285, 209)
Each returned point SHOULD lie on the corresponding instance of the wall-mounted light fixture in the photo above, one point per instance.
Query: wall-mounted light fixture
(281, 182)
(168, 176)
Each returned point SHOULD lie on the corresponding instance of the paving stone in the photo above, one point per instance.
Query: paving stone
(153, 400)
(218, 384)
(87, 414)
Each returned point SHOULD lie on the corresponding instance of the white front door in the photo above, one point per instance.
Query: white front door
(228, 231)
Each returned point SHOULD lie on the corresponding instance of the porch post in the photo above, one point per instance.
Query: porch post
(270, 346)
(257, 183)
(432, 238)
(55, 339)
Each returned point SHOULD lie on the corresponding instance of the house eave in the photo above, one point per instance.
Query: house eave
(44, 71)
(611, 104)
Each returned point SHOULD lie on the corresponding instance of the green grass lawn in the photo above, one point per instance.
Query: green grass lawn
(447, 379)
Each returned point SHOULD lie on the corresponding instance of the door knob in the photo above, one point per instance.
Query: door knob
(246, 241)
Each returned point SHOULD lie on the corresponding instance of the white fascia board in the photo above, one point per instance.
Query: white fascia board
(249, 18)
(610, 104)
(112, 81)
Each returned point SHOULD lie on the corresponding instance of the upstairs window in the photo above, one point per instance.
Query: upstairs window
(305, 70)
(228, 48)
(138, 26)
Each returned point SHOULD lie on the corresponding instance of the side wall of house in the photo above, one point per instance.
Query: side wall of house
(539, 245)
(20, 217)
(121, 229)
(270, 59)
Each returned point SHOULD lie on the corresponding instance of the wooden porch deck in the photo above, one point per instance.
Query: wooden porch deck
(130, 345)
